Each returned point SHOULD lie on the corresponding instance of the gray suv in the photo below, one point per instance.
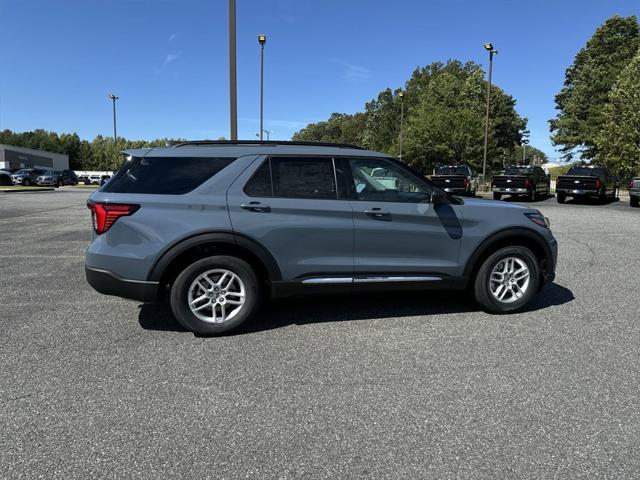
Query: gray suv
(217, 226)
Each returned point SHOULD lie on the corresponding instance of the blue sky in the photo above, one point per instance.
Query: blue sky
(167, 59)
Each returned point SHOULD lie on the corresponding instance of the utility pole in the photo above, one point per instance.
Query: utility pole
(401, 95)
(262, 39)
(488, 47)
(233, 87)
(115, 134)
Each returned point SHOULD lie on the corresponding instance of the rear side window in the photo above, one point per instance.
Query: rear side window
(294, 177)
(164, 175)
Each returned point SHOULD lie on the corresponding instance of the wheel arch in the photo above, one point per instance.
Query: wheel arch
(509, 237)
(188, 250)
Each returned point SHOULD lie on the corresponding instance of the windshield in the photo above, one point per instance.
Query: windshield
(455, 170)
(518, 171)
(586, 171)
(24, 171)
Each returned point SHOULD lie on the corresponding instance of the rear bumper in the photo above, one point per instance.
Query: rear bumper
(516, 191)
(109, 283)
(634, 192)
(582, 193)
(455, 191)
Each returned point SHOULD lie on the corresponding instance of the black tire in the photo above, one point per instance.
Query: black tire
(26, 182)
(497, 196)
(561, 197)
(180, 292)
(532, 195)
(482, 291)
(60, 183)
(634, 201)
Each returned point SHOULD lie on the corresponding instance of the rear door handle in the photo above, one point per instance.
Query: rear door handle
(376, 212)
(256, 207)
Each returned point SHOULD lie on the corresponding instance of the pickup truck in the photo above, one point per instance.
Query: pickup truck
(521, 180)
(634, 192)
(456, 179)
(584, 181)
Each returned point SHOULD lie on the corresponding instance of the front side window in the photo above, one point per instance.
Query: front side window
(164, 175)
(382, 181)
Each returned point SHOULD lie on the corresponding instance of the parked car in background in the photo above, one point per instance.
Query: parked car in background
(634, 192)
(104, 179)
(48, 179)
(5, 178)
(84, 179)
(287, 218)
(95, 179)
(586, 181)
(456, 179)
(523, 181)
(28, 176)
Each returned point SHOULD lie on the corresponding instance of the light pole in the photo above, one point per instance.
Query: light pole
(262, 39)
(401, 95)
(233, 88)
(268, 132)
(115, 134)
(492, 51)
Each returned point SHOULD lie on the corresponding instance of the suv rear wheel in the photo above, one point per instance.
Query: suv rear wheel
(507, 280)
(215, 295)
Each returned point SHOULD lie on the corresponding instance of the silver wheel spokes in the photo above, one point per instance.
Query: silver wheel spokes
(216, 296)
(509, 280)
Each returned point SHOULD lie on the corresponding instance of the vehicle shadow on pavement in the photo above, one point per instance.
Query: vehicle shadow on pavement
(339, 308)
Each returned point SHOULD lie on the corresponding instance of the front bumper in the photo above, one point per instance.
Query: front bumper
(47, 183)
(16, 180)
(109, 283)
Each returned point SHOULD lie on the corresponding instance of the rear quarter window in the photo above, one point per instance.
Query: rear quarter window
(164, 175)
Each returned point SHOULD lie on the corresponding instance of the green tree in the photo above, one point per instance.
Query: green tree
(581, 102)
(339, 128)
(619, 140)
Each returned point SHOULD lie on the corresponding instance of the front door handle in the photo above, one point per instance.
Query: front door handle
(376, 212)
(256, 207)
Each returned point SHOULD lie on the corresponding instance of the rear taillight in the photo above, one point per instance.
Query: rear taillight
(630, 184)
(527, 183)
(598, 183)
(105, 214)
(465, 183)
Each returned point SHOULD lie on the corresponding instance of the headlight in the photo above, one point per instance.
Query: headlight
(539, 219)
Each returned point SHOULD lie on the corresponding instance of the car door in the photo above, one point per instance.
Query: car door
(397, 230)
(291, 205)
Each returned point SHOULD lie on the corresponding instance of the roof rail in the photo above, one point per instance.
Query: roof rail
(271, 143)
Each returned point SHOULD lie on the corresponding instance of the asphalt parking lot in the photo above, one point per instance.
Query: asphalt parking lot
(396, 386)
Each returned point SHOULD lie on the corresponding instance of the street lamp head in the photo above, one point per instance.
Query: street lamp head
(401, 94)
(489, 48)
(262, 39)
(113, 97)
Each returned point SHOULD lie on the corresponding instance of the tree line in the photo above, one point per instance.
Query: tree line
(97, 154)
(443, 110)
(598, 117)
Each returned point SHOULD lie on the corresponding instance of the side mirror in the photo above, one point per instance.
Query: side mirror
(438, 197)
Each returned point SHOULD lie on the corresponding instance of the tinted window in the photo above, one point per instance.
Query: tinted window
(455, 170)
(586, 171)
(303, 177)
(260, 183)
(518, 171)
(170, 176)
(396, 185)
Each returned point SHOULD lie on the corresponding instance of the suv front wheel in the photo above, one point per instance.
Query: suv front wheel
(215, 294)
(507, 280)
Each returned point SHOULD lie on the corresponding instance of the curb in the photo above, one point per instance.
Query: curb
(31, 190)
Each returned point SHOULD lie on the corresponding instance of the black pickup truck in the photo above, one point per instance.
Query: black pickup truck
(583, 181)
(521, 180)
(456, 180)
